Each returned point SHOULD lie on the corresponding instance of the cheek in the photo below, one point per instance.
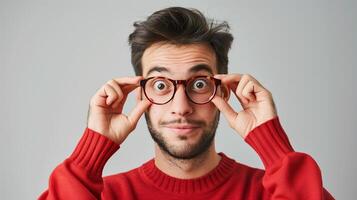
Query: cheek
(206, 111)
(156, 112)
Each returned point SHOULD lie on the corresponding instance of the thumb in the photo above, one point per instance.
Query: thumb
(138, 95)
(136, 113)
(226, 109)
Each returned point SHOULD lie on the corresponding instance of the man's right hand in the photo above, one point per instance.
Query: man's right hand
(105, 110)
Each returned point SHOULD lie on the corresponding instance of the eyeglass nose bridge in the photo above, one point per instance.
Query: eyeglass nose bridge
(176, 84)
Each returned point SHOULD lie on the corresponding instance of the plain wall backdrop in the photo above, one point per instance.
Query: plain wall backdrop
(54, 55)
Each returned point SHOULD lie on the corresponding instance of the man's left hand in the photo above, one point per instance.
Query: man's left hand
(257, 102)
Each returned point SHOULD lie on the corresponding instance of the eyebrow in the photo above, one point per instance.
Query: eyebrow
(194, 69)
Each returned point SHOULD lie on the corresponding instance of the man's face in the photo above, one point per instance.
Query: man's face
(181, 128)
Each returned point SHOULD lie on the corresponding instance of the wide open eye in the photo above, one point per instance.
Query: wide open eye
(201, 85)
(201, 89)
(159, 90)
(160, 86)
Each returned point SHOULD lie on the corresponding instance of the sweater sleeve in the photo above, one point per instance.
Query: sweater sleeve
(80, 175)
(288, 174)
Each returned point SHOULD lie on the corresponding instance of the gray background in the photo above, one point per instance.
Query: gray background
(54, 55)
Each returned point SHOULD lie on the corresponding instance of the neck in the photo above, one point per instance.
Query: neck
(187, 168)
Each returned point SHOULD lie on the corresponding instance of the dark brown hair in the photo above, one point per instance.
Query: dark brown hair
(179, 25)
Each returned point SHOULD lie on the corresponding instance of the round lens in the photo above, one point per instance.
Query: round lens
(201, 89)
(159, 90)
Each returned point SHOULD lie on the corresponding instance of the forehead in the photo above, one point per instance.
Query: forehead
(178, 60)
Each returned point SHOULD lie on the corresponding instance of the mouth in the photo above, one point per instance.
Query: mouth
(182, 129)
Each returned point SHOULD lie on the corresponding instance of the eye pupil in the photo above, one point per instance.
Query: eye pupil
(161, 86)
(199, 84)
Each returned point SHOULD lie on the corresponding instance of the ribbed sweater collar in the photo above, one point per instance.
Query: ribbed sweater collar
(183, 186)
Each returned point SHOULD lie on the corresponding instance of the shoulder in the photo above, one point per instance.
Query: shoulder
(248, 179)
(131, 175)
(244, 171)
(122, 176)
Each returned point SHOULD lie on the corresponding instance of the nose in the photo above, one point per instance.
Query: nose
(180, 104)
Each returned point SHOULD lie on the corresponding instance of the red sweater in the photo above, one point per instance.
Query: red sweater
(288, 174)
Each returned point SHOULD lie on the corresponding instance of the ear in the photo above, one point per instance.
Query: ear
(225, 92)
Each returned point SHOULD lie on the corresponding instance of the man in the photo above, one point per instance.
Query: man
(180, 60)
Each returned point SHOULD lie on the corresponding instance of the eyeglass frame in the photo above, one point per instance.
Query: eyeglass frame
(217, 83)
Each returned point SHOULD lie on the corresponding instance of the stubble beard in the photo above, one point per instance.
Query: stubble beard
(189, 151)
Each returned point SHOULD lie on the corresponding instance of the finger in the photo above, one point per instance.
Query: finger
(248, 91)
(124, 89)
(117, 89)
(139, 109)
(225, 108)
(138, 94)
(129, 88)
(135, 80)
(109, 93)
(224, 92)
(233, 86)
(239, 99)
(228, 77)
(128, 84)
(242, 83)
(232, 81)
(118, 106)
